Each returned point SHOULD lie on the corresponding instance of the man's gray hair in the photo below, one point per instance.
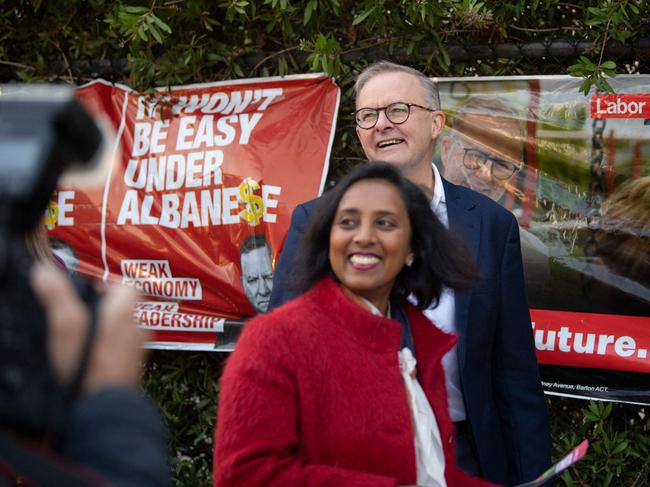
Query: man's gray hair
(380, 67)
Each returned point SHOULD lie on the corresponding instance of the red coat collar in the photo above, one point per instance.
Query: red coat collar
(377, 332)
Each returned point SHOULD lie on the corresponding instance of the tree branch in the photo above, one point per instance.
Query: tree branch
(17, 65)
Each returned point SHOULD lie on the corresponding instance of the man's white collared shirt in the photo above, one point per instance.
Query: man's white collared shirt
(442, 315)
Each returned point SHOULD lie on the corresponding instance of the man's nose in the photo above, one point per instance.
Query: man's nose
(264, 288)
(484, 173)
(382, 121)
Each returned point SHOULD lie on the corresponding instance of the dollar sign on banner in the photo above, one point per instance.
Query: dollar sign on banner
(51, 215)
(254, 204)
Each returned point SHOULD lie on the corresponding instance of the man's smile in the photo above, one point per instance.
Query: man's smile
(389, 142)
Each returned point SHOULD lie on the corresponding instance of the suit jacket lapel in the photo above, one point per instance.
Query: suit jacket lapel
(466, 224)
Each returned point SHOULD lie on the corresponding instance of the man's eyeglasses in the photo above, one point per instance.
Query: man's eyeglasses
(475, 159)
(397, 113)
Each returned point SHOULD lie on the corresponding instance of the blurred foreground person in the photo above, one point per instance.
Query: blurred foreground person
(70, 412)
(112, 435)
(345, 385)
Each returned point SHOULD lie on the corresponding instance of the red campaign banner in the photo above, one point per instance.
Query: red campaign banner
(599, 341)
(199, 197)
(620, 106)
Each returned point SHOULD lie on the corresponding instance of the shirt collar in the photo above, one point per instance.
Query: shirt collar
(438, 190)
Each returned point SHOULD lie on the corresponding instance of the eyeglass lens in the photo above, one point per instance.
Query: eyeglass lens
(475, 159)
(395, 112)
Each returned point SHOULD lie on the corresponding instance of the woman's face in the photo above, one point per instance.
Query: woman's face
(370, 240)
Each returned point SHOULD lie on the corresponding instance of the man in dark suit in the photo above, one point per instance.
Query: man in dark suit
(495, 396)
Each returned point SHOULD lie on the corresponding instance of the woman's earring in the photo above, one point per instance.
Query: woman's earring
(409, 260)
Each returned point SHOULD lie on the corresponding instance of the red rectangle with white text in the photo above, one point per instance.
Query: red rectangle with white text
(620, 106)
(599, 341)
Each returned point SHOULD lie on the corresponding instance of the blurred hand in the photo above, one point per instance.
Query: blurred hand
(116, 354)
(67, 319)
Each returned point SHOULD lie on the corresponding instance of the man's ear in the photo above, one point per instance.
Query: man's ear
(358, 131)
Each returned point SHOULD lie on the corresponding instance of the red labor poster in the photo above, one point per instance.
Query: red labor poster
(198, 199)
(575, 171)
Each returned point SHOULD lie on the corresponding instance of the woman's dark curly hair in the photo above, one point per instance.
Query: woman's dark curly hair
(440, 259)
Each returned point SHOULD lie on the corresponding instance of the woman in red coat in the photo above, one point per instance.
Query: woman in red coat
(344, 386)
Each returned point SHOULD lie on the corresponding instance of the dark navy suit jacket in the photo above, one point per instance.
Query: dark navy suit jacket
(505, 405)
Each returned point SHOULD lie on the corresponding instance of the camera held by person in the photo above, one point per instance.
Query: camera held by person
(69, 359)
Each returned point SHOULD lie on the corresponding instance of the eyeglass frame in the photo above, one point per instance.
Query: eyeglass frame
(501, 162)
(385, 110)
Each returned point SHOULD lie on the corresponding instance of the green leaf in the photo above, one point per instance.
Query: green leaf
(238, 71)
(315, 62)
(595, 11)
(608, 479)
(577, 70)
(584, 88)
(283, 67)
(595, 408)
(212, 56)
(363, 16)
(155, 33)
(567, 479)
(620, 447)
(446, 61)
(311, 6)
(163, 26)
(135, 10)
(607, 410)
(142, 34)
(324, 64)
(603, 85)
(321, 42)
(609, 72)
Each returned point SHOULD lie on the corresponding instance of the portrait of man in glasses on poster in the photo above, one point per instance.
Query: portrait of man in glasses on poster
(484, 151)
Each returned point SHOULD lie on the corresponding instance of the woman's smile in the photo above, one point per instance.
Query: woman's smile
(363, 262)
